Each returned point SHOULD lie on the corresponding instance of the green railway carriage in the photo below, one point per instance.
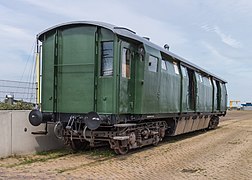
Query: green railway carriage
(105, 83)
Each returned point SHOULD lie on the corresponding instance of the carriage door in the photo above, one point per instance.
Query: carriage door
(218, 95)
(127, 79)
(192, 94)
(75, 70)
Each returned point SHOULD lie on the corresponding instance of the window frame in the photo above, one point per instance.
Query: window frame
(102, 58)
(184, 71)
(153, 58)
(124, 60)
(176, 68)
(163, 64)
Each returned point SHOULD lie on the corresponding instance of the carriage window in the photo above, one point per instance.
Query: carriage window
(176, 67)
(141, 53)
(206, 81)
(170, 67)
(126, 63)
(107, 58)
(164, 65)
(184, 71)
(153, 62)
(200, 78)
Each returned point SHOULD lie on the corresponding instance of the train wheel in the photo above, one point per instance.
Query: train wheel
(156, 140)
(121, 150)
(78, 145)
(213, 123)
(58, 130)
(216, 122)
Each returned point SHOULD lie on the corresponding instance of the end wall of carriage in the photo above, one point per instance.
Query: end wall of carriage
(16, 137)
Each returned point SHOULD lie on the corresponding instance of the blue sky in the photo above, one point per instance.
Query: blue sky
(214, 34)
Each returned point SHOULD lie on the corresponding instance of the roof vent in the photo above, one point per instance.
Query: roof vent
(167, 47)
(147, 38)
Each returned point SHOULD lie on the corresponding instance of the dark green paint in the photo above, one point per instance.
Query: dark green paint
(48, 73)
(106, 85)
(169, 90)
(72, 81)
(204, 94)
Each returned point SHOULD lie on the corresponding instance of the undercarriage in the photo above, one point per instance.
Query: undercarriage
(121, 137)
(81, 131)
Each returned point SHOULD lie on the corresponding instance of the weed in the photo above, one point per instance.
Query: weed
(39, 157)
(101, 153)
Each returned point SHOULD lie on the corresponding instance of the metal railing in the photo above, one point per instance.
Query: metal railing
(24, 91)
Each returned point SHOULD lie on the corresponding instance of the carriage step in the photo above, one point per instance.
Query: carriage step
(124, 125)
(40, 133)
(121, 138)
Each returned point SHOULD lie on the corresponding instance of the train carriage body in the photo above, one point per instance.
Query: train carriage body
(105, 83)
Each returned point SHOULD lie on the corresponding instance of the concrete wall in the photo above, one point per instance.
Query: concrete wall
(16, 137)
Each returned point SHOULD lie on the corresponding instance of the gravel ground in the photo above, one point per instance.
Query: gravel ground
(224, 153)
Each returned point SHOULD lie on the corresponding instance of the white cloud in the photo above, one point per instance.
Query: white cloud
(79, 9)
(122, 15)
(207, 27)
(15, 48)
(13, 67)
(219, 59)
(236, 74)
(159, 32)
(8, 31)
(227, 39)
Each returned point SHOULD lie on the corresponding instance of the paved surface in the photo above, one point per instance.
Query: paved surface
(224, 153)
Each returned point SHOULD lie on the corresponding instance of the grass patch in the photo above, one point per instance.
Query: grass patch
(97, 154)
(38, 157)
(54, 152)
(101, 153)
